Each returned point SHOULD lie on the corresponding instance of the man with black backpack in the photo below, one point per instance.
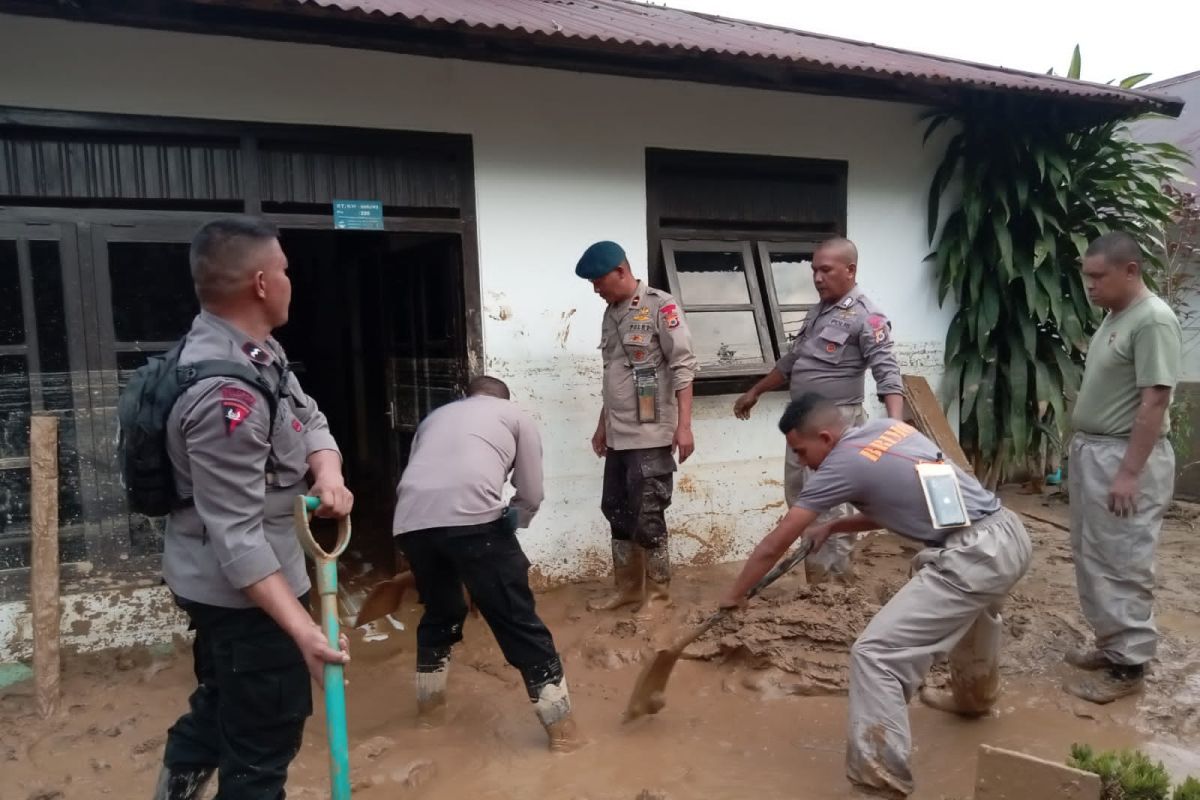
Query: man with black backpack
(242, 440)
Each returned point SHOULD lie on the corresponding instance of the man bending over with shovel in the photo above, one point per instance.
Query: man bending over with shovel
(454, 529)
(975, 551)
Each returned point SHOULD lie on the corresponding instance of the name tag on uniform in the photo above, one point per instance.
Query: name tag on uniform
(943, 496)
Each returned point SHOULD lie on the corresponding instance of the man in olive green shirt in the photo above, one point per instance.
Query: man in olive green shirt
(1121, 468)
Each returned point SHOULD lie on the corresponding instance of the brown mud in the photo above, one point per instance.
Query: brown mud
(756, 709)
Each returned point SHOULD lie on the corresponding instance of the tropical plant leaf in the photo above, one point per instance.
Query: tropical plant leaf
(1076, 64)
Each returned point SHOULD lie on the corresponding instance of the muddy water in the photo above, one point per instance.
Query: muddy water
(757, 711)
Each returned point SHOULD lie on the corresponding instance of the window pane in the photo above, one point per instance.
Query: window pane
(791, 325)
(14, 408)
(725, 339)
(152, 295)
(12, 317)
(792, 274)
(711, 278)
(50, 311)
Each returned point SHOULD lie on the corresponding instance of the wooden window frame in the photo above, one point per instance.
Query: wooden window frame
(764, 249)
(776, 231)
(672, 246)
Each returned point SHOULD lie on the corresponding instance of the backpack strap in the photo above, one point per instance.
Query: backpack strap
(190, 374)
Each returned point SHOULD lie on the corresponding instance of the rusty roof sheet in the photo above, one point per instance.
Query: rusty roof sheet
(627, 25)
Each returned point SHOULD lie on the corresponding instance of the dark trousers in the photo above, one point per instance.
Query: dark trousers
(637, 493)
(488, 560)
(248, 711)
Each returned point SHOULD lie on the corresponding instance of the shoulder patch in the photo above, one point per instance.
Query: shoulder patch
(876, 321)
(847, 302)
(234, 412)
(243, 396)
(670, 314)
(256, 354)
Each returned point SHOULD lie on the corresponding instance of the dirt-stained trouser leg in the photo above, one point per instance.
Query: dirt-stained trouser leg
(928, 617)
(1114, 556)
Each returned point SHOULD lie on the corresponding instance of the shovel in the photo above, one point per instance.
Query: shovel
(649, 691)
(384, 598)
(335, 689)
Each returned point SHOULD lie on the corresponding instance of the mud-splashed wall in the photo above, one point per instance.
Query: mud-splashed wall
(559, 163)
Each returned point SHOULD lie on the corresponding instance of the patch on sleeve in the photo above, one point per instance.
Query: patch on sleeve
(243, 396)
(670, 314)
(234, 412)
(876, 321)
(880, 335)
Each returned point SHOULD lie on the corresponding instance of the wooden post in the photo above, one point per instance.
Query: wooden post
(43, 581)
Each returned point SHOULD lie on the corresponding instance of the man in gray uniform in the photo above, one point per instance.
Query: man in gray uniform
(1121, 468)
(231, 556)
(950, 605)
(836, 344)
(453, 527)
(647, 414)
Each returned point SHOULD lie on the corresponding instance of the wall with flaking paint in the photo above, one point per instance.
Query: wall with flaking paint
(559, 159)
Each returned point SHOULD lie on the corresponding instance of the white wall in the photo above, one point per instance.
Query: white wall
(559, 163)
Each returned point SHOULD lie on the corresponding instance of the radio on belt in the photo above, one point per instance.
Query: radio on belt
(943, 496)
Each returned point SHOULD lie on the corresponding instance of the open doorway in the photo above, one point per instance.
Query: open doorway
(376, 334)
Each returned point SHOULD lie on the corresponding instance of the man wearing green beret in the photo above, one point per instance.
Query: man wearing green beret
(646, 417)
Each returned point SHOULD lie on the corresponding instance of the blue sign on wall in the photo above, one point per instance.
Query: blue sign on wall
(358, 215)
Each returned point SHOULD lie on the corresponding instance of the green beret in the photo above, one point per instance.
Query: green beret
(599, 260)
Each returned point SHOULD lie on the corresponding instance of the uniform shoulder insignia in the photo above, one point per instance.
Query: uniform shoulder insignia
(234, 408)
(847, 302)
(255, 353)
(670, 313)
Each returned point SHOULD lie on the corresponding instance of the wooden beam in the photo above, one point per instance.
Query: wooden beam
(929, 419)
(43, 584)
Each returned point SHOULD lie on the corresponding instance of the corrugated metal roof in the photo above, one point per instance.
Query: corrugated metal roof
(623, 24)
(1183, 132)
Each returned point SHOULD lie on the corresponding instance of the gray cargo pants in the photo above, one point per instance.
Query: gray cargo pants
(834, 557)
(1114, 556)
(950, 605)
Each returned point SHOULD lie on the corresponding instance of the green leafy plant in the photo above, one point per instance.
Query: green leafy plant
(1188, 790)
(1036, 187)
(1124, 774)
(1174, 279)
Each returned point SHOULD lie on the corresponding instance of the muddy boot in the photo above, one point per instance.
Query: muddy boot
(433, 669)
(658, 583)
(945, 700)
(186, 783)
(1088, 659)
(628, 574)
(974, 685)
(1104, 687)
(553, 709)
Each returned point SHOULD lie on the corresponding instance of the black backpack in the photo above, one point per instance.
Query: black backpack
(142, 411)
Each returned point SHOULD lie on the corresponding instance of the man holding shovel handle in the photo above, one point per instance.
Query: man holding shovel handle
(975, 550)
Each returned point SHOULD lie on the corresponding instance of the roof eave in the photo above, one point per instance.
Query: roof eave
(313, 24)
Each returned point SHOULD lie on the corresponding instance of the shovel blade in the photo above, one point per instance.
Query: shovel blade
(384, 598)
(649, 692)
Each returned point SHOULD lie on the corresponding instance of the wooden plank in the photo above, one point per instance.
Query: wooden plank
(43, 589)
(930, 420)
(1008, 775)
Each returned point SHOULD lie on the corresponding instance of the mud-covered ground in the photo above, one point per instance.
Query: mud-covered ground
(756, 710)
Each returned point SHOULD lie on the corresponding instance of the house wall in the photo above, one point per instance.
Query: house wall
(559, 163)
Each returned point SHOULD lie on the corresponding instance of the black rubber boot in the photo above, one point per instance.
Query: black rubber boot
(181, 784)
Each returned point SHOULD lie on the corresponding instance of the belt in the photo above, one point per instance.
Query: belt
(271, 480)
